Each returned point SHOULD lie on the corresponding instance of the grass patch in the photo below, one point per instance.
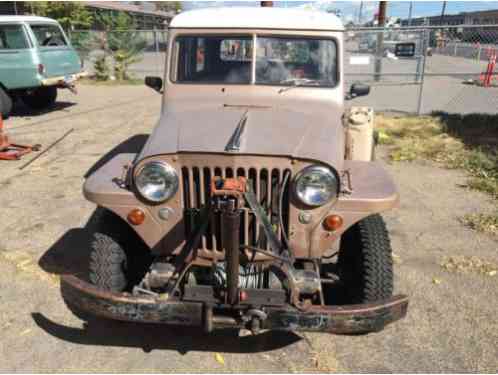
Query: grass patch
(115, 82)
(482, 222)
(466, 264)
(465, 142)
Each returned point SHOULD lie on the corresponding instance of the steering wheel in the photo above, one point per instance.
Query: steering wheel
(52, 41)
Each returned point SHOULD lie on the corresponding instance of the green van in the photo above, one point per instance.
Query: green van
(36, 59)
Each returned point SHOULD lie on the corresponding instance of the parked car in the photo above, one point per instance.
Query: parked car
(36, 59)
(247, 206)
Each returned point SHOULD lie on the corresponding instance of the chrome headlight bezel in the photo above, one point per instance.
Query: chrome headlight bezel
(167, 170)
(330, 172)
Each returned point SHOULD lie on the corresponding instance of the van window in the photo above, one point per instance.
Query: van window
(48, 35)
(12, 37)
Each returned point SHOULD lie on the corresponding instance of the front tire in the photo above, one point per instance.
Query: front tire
(365, 261)
(119, 259)
(40, 98)
(5, 103)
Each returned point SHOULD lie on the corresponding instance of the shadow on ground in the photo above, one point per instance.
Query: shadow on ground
(21, 110)
(474, 129)
(132, 145)
(102, 332)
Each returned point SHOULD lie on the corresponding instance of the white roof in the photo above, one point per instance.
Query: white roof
(26, 19)
(257, 18)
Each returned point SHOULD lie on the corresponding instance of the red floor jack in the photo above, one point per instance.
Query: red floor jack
(13, 151)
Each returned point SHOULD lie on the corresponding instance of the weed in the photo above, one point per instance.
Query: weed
(429, 137)
(454, 141)
(116, 82)
(482, 222)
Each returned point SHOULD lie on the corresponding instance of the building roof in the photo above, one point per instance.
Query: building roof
(26, 19)
(127, 7)
(257, 18)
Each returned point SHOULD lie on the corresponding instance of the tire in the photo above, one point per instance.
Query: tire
(5, 103)
(365, 262)
(40, 98)
(119, 259)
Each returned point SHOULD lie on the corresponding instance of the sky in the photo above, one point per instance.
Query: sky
(350, 9)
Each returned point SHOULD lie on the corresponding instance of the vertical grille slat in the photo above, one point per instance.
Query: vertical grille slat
(267, 186)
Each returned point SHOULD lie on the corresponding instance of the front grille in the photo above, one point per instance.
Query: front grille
(267, 184)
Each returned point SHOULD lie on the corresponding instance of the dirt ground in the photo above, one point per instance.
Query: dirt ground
(451, 325)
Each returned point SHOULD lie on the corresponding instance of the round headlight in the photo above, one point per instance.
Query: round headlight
(316, 185)
(156, 181)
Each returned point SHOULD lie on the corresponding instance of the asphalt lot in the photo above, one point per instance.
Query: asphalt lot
(451, 325)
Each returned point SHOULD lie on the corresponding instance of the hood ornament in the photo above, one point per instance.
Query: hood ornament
(233, 144)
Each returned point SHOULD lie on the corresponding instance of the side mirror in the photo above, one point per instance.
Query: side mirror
(404, 49)
(358, 89)
(155, 83)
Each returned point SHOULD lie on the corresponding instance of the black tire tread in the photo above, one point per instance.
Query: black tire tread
(107, 264)
(366, 252)
(119, 258)
(5, 103)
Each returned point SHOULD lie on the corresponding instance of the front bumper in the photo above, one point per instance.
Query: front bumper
(63, 80)
(349, 319)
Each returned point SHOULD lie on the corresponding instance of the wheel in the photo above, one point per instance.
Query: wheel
(5, 103)
(119, 259)
(40, 98)
(365, 263)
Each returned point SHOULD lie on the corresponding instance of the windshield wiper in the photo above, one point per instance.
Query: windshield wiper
(298, 82)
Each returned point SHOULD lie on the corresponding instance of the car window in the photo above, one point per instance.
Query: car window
(236, 50)
(213, 59)
(48, 35)
(12, 37)
(303, 61)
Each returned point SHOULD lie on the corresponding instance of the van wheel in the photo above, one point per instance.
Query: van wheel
(119, 259)
(365, 264)
(5, 103)
(40, 98)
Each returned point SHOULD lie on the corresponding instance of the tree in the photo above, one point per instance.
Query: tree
(168, 6)
(121, 41)
(71, 15)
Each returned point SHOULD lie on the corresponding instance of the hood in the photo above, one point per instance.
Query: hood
(260, 131)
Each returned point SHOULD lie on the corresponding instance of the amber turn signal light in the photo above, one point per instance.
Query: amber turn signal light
(332, 222)
(136, 216)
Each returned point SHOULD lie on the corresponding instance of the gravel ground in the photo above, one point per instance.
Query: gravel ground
(451, 325)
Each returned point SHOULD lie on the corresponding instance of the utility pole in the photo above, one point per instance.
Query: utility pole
(410, 14)
(380, 40)
(360, 14)
(442, 13)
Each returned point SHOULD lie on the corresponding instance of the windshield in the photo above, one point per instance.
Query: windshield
(307, 62)
(280, 61)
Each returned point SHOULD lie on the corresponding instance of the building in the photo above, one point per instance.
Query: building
(145, 15)
(486, 17)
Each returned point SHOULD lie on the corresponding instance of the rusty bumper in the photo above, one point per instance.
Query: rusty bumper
(349, 319)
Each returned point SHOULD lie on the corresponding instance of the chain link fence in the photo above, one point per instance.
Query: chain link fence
(451, 69)
(130, 54)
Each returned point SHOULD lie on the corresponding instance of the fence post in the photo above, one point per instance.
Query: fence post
(456, 45)
(424, 52)
(156, 48)
(420, 56)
